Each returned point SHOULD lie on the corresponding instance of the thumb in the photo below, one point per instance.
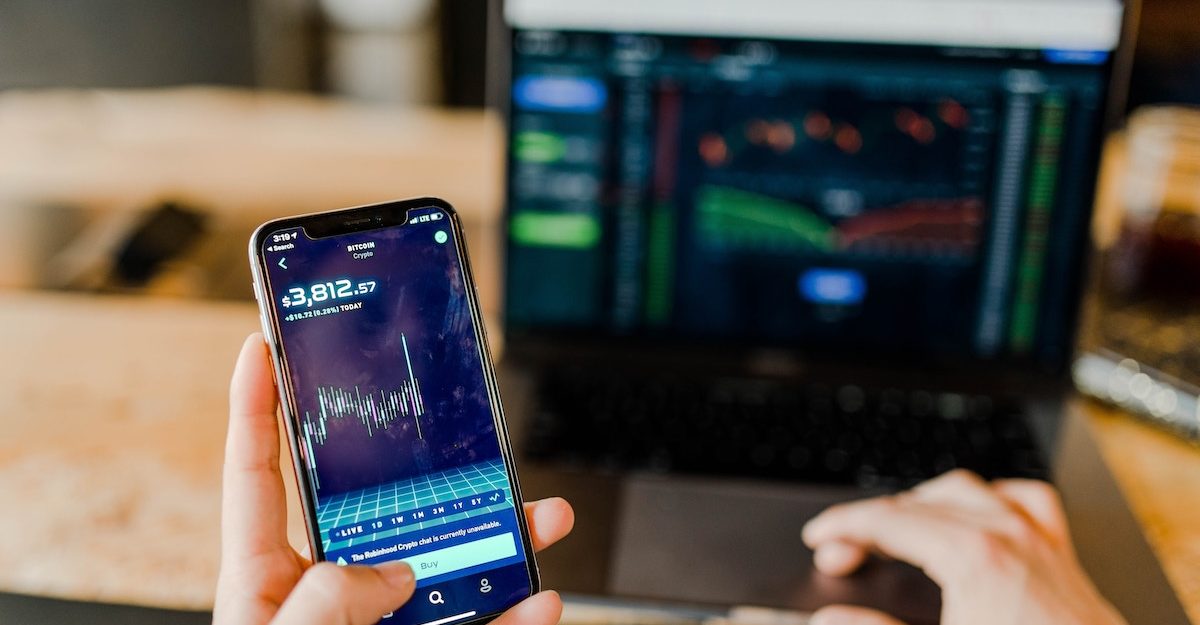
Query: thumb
(851, 615)
(346, 595)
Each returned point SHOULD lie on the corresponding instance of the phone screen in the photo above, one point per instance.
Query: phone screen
(393, 415)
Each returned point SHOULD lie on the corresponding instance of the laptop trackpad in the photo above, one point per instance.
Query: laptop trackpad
(739, 543)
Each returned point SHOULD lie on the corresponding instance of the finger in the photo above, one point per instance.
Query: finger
(962, 490)
(851, 615)
(347, 595)
(1040, 503)
(254, 504)
(544, 608)
(964, 497)
(899, 527)
(549, 521)
(838, 558)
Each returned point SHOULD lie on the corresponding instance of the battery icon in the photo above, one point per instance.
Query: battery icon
(436, 216)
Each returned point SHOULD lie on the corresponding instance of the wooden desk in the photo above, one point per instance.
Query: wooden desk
(114, 420)
(1159, 476)
(89, 161)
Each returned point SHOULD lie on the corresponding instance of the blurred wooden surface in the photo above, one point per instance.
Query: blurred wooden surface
(1159, 475)
(114, 421)
(238, 152)
(83, 164)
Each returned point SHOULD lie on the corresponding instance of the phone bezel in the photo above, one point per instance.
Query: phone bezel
(362, 219)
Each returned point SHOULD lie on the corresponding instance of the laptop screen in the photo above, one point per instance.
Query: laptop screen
(908, 177)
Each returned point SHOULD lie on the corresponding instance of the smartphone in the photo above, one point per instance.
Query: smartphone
(391, 405)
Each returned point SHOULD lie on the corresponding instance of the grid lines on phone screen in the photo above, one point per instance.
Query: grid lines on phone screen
(381, 501)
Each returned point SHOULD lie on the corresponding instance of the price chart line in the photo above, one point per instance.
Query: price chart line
(375, 411)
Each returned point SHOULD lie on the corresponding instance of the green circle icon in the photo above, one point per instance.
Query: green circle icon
(440, 236)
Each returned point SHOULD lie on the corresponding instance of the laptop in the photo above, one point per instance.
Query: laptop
(768, 255)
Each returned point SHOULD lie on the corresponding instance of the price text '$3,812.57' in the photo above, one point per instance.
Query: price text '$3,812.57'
(326, 291)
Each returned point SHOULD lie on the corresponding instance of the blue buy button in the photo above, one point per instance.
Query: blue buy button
(463, 556)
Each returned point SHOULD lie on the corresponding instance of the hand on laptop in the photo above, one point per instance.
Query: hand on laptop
(1001, 552)
(264, 580)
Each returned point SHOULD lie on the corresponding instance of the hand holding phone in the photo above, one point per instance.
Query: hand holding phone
(435, 489)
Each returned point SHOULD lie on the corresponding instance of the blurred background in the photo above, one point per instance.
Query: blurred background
(142, 140)
(97, 95)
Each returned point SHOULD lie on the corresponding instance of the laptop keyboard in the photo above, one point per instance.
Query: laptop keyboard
(832, 434)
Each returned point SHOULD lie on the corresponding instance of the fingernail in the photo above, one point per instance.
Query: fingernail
(810, 531)
(398, 574)
(831, 557)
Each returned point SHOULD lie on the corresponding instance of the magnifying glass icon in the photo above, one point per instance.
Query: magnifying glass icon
(436, 598)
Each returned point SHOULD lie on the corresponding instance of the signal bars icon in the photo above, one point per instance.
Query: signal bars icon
(425, 218)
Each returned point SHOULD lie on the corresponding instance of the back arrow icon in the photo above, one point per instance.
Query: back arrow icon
(282, 262)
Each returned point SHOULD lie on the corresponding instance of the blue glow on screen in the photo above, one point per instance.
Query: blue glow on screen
(843, 287)
(1076, 57)
(562, 94)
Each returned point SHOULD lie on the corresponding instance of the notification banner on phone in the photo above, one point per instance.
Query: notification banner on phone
(461, 547)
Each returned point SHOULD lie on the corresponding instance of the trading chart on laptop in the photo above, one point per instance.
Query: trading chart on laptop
(878, 193)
